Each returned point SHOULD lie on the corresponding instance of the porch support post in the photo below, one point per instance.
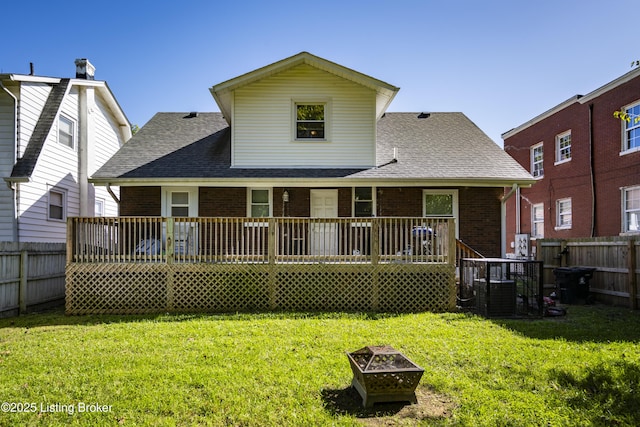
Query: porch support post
(451, 252)
(170, 259)
(271, 251)
(375, 255)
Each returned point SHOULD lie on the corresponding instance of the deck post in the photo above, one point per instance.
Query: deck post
(170, 260)
(375, 255)
(271, 258)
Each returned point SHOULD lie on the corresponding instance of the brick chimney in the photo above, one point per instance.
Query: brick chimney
(84, 69)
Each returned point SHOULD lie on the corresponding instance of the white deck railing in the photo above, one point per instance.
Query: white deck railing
(260, 240)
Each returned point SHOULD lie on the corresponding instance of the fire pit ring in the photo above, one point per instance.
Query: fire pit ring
(383, 374)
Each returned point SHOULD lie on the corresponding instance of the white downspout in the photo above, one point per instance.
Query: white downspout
(15, 186)
(503, 218)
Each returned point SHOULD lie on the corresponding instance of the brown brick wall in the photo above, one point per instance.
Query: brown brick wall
(479, 223)
(394, 201)
(222, 201)
(140, 201)
(479, 208)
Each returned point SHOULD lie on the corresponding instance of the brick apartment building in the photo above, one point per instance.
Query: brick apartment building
(587, 165)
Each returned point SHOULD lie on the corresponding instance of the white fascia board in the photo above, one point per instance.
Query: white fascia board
(309, 182)
(541, 117)
(611, 85)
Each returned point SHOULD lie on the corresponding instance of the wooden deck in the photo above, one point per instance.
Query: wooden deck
(153, 264)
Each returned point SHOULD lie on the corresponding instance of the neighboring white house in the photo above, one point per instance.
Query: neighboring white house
(55, 133)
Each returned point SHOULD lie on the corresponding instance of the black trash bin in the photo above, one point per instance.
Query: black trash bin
(573, 283)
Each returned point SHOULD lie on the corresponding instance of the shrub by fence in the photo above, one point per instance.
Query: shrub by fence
(33, 274)
(616, 260)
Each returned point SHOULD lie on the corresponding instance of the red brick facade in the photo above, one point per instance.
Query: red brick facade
(478, 223)
(592, 178)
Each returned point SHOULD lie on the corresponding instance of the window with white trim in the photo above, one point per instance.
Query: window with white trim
(259, 202)
(66, 131)
(440, 203)
(563, 214)
(99, 207)
(631, 210)
(537, 221)
(631, 137)
(563, 147)
(310, 121)
(179, 201)
(537, 169)
(363, 202)
(57, 203)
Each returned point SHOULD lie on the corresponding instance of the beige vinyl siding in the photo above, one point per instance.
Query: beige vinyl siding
(263, 132)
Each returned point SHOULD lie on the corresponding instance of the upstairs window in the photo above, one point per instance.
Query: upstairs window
(310, 121)
(631, 210)
(563, 214)
(537, 169)
(631, 139)
(66, 132)
(363, 201)
(563, 147)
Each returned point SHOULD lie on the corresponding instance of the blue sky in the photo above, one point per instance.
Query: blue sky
(499, 62)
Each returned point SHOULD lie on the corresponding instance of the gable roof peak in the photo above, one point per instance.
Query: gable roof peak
(222, 92)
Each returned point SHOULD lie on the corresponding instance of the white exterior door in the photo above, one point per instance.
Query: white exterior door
(324, 235)
(182, 202)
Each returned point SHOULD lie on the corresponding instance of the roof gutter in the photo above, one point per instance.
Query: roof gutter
(113, 196)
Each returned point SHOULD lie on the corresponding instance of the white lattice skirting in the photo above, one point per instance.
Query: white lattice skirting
(128, 288)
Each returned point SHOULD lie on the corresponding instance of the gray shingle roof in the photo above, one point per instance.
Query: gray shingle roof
(26, 164)
(435, 147)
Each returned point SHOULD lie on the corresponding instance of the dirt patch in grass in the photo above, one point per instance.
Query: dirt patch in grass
(430, 405)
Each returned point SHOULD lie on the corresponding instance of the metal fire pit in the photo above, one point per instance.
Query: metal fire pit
(383, 374)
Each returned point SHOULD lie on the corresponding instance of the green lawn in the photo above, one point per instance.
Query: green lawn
(290, 369)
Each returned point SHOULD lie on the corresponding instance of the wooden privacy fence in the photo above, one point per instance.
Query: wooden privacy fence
(32, 274)
(135, 265)
(616, 260)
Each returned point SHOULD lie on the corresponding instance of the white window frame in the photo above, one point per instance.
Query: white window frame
(454, 208)
(372, 201)
(537, 224)
(327, 113)
(628, 126)
(250, 201)
(537, 173)
(628, 211)
(63, 206)
(99, 206)
(455, 215)
(62, 119)
(560, 138)
(561, 223)
(193, 200)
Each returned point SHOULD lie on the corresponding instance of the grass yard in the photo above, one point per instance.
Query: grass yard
(288, 369)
